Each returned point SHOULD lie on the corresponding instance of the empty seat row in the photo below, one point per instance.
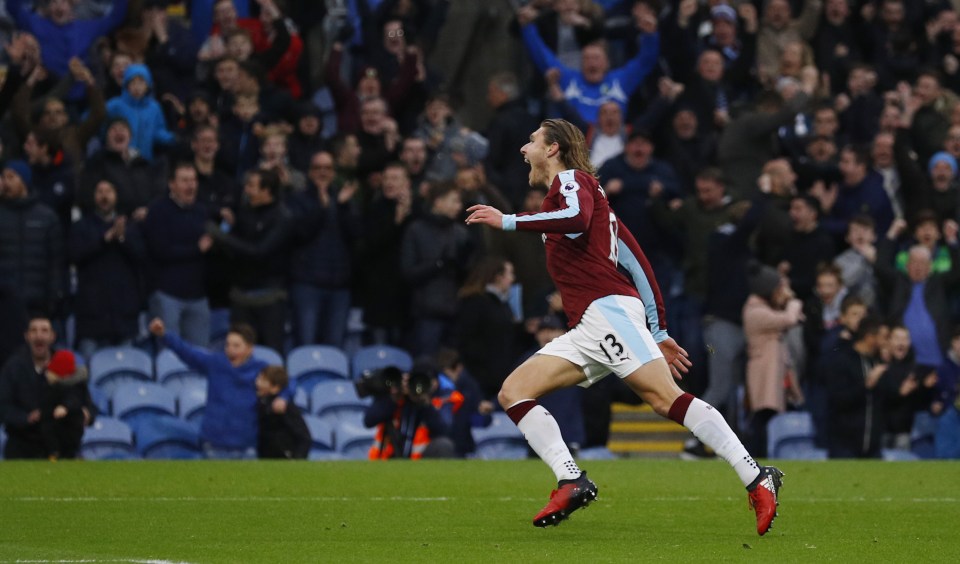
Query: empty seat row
(159, 436)
(307, 365)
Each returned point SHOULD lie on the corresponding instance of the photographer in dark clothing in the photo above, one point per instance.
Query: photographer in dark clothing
(408, 424)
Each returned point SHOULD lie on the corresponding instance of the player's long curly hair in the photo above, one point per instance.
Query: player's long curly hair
(573, 147)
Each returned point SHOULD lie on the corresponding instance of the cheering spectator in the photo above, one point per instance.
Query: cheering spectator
(326, 226)
(257, 246)
(108, 251)
(854, 406)
(434, 256)
(595, 81)
(174, 233)
(62, 36)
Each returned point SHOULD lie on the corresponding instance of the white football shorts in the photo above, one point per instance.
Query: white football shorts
(612, 336)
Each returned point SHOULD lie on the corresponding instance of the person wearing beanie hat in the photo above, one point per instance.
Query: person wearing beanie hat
(942, 158)
(22, 169)
(63, 414)
(30, 258)
(770, 312)
(762, 280)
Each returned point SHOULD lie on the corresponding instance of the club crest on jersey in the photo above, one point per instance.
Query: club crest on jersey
(570, 186)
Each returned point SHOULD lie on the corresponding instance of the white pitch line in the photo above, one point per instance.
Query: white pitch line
(129, 560)
(93, 499)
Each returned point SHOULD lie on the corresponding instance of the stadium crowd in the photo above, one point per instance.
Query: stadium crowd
(789, 167)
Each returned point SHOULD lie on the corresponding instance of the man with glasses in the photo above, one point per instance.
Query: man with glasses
(326, 225)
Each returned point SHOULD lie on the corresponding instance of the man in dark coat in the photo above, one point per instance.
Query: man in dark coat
(138, 182)
(25, 393)
(509, 129)
(326, 225)
(258, 247)
(108, 252)
(31, 242)
(854, 407)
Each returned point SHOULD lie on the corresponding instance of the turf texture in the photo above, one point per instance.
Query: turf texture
(469, 511)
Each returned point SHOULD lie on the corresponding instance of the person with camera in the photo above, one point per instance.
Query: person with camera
(408, 424)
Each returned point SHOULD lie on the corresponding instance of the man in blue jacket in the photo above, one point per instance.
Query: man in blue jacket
(61, 35)
(230, 419)
(596, 82)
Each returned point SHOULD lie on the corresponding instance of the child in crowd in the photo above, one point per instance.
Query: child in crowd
(144, 114)
(282, 435)
(65, 409)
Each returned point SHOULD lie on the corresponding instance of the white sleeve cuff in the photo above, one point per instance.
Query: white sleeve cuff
(509, 222)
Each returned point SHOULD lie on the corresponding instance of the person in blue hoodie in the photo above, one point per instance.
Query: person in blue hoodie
(141, 110)
(230, 420)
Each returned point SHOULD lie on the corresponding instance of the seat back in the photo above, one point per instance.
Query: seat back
(499, 440)
(380, 356)
(354, 441)
(336, 396)
(134, 402)
(173, 374)
(166, 437)
(108, 439)
(311, 364)
(321, 433)
(115, 365)
(789, 428)
(191, 403)
(268, 355)
(922, 435)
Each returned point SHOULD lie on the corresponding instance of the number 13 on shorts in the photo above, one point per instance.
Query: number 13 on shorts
(613, 349)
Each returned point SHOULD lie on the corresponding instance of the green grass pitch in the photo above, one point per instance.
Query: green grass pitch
(468, 511)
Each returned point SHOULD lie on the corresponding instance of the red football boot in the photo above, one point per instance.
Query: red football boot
(569, 496)
(763, 498)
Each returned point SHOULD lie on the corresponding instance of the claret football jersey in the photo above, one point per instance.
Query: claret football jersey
(590, 254)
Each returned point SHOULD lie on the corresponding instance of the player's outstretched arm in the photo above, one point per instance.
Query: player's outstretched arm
(485, 215)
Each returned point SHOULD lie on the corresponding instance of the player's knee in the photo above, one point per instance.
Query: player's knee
(504, 397)
(660, 404)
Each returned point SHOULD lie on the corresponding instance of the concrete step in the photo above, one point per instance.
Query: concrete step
(635, 430)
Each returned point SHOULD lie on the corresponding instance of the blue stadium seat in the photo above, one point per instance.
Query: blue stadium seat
(499, 440)
(380, 356)
(191, 402)
(922, 435)
(321, 434)
(135, 403)
(173, 374)
(334, 397)
(801, 450)
(108, 439)
(302, 400)
(792, 433)
(897, 455)
(166, 437)
(267, 355)
(353, 441)
(3, 441)
(311, 364)
(115, 365)
(100, 400)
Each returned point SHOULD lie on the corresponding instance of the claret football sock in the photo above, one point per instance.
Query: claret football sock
(712, 430)
(543, 434)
